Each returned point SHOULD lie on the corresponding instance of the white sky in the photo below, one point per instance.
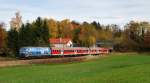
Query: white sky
(105, 11)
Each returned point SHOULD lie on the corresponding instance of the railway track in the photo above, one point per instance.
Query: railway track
(46, 61)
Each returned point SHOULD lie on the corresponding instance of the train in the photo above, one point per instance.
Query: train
(25, 52)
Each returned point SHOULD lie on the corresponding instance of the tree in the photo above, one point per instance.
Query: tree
(26, 37)
(76, 37)
(87, 35)
(41, 32)
(45, 33)
(97, 25)
(13, 41)
(65, 29)
(53, 28)
(3, 36)
(135, 33)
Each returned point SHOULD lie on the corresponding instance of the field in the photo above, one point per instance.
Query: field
(122, 68)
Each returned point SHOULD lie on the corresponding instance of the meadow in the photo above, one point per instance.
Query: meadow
(122, 68)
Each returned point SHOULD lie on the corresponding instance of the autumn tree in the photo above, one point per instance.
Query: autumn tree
(135, 32)
(145, 36)
(105, 33)
(97, 25)
(53, 28)
(76, 31)
(3, 36)
(65, 29)
(87, 34)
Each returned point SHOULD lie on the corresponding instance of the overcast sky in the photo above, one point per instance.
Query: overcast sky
(104, 11)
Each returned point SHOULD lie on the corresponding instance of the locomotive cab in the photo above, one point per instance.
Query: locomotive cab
(34, 51)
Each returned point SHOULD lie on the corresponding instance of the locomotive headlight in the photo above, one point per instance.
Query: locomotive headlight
(26, 52)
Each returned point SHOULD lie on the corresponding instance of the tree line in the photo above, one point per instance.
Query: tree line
(134, 36)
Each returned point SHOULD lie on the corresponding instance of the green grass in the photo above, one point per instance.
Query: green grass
(122, 68)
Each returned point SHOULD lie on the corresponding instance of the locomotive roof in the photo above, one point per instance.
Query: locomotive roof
(34, 47)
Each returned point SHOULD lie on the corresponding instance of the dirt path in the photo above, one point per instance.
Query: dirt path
(47, 61)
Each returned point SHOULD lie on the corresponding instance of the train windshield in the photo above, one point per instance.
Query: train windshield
(24, 49)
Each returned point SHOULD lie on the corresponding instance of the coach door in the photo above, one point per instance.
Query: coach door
(62, 52)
